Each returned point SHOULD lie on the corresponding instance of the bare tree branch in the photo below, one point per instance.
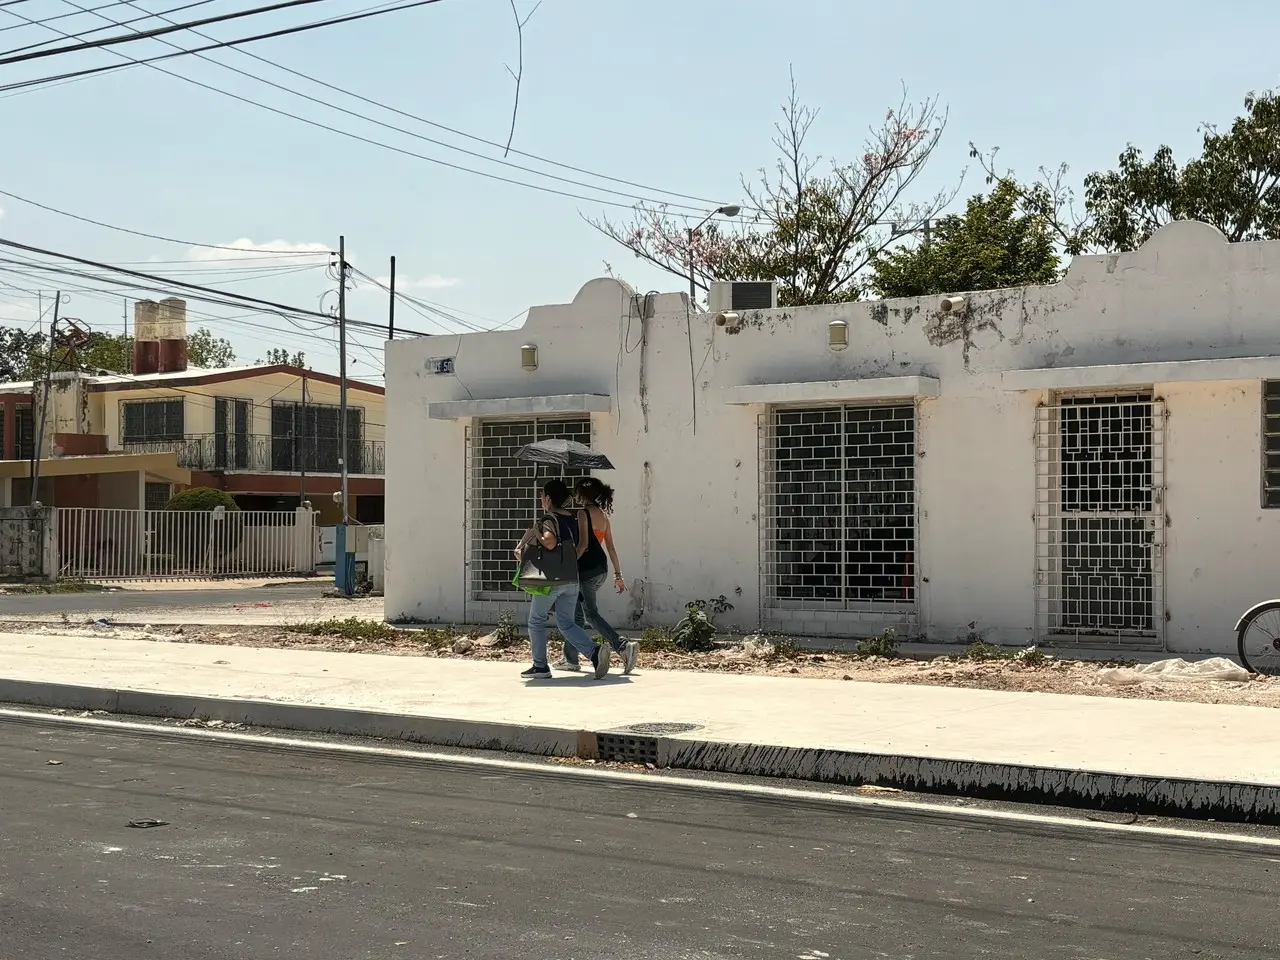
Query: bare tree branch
(814, 233)
(518, 73)
(1050, 198)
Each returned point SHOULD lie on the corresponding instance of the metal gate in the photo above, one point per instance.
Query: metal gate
(502, 494)
(837, 518)
(105, 544)
(1100, 521)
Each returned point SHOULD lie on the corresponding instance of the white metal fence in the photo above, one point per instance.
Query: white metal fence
(106, 544)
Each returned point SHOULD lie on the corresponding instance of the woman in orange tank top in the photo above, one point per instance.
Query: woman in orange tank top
(595, 499)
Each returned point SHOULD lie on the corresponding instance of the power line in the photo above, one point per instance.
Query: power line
(136, 35)
(84, 33)
(154, 236)
(197, 51)
(220, 297)
(283, 32)
(389, 126)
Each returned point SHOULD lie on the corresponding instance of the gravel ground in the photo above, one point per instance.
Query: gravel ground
(1032, 674)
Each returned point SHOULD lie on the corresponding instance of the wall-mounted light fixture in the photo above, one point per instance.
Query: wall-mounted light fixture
(529, 357)
(837, 334)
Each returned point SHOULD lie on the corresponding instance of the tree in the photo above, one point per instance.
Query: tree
(278, 357)
(814, 230)
(16, 350)
(1234, 185)
(991, 245)
(208, 352)
(28, 354)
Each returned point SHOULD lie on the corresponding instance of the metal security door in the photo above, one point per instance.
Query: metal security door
(1100, 521)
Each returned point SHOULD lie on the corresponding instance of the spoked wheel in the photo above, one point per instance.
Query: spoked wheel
(1259, 639)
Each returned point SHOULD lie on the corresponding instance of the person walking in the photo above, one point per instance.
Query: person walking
(595, 500)
(558, 525)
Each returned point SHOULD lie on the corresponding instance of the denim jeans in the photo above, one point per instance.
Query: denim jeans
(587, 608)
(563, 599)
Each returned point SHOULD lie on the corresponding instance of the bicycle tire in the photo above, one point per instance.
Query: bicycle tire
(1243, 631)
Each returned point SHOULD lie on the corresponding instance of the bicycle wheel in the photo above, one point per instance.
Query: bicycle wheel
(1258, 639)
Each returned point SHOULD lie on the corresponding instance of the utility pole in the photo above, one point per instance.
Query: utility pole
(36, 451)
(391, 314)
(306, 447)
(342, 373)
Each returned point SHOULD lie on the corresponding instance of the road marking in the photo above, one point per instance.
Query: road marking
(763, 791)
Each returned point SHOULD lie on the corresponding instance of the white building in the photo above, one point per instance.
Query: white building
(1084, 463)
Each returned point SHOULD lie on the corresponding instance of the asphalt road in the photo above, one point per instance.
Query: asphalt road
(122, 601)
(271, 853)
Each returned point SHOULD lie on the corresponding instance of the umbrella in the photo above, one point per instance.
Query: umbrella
(565, 453)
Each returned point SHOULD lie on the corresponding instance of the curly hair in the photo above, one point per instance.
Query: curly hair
(594, 492)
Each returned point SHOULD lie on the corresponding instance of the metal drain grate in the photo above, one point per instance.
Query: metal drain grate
(660, 729)
(621, 748)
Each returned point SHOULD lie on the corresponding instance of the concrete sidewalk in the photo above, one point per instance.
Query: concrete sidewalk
(1160, 757)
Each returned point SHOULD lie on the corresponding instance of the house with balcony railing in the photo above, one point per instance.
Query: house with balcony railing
(272, 436)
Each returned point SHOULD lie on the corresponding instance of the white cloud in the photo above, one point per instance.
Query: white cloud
(432, 281)
(248, 249)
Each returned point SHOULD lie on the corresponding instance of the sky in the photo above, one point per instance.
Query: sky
(677, 95)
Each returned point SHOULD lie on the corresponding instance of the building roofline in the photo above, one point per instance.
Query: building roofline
(204, 378)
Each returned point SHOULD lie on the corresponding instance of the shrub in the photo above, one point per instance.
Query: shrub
(981, 651)
(188, 532)
(507, 633)
(885, 645)
(202, 498)
(696, 631)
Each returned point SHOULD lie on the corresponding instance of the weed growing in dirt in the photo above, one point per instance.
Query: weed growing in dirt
(656, 640)
(885, 645)
(981, 651)
(59, 586)
(349, 628)
(506, 634)
(696, 631)
(1033, 657)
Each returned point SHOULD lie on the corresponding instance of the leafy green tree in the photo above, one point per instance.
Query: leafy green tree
(278, 356)
(813, 228)
(208, 352)
(16, 349)
(991, 245)
(1234, 184)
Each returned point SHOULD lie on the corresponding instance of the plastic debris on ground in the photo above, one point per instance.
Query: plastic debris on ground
(1175, 671)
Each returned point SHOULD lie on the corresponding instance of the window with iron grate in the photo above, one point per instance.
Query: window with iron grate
(843, 496)
(150, 421)
(1271, 444)
(506, 491)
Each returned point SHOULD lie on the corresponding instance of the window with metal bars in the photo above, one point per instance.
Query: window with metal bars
(505, 491)
(1271, 444)
(309, 437)
(843, 524)
(24, 430)
(148, 421)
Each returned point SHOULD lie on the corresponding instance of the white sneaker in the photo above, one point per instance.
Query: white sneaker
(566, 666)
(630, 654)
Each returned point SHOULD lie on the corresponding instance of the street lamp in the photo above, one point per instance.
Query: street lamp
(732, 210)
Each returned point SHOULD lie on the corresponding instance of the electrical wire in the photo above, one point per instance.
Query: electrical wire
(156, 236)
(362, 116)
(197, 51)
(136, 35)
(84, 33)
(282, 32)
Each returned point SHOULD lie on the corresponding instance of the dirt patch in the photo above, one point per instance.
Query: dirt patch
(1039, 674)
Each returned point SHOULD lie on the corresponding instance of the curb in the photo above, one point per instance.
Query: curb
(1155, 796)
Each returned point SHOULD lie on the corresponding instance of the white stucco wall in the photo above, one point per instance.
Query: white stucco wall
(688, 492)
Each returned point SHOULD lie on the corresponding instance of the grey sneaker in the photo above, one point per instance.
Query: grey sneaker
(630, 654)
(567, 666)
(602, 657)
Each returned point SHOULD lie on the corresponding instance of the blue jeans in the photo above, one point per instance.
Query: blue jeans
(586, 609)
(563, 599)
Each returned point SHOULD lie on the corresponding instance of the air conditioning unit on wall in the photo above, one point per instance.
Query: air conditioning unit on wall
(738, 295)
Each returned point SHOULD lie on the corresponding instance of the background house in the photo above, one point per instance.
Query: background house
(267, 434)
(1092, 462)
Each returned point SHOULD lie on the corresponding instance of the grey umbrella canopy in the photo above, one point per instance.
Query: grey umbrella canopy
(564, 453)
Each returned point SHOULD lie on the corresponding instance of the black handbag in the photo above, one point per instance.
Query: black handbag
(542, 569)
